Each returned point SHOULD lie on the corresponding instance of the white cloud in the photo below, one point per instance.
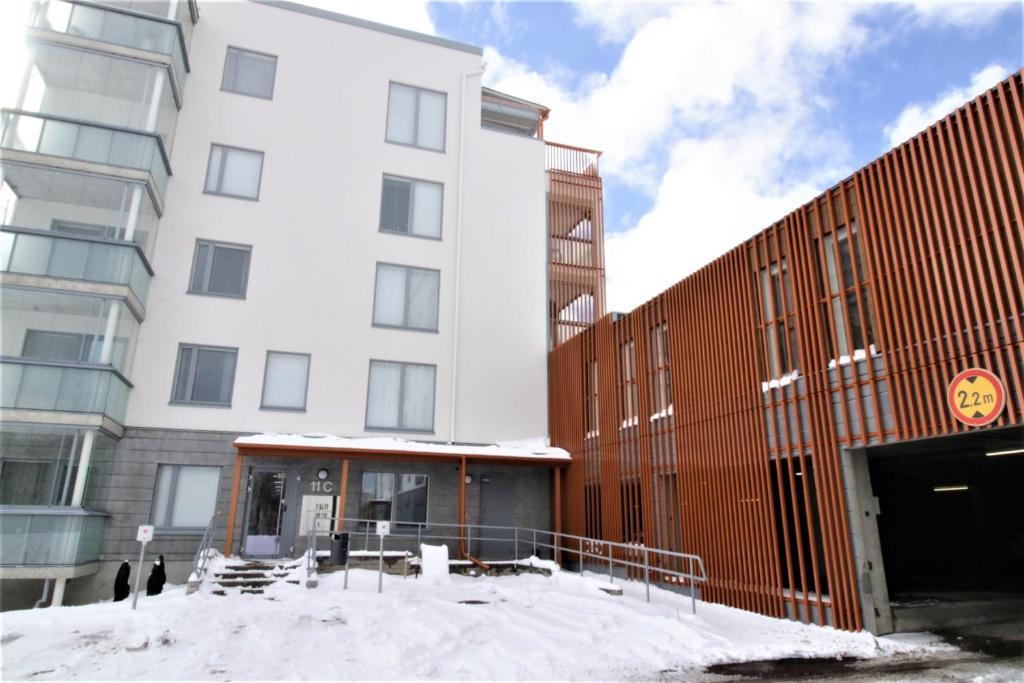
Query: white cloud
(616, 21)
(962, 13)
(707, 110)
(916, 117)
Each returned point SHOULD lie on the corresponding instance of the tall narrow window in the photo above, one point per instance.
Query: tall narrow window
(221, 269)
(234, 172)
(416, 116)
(840, 250)
(406, 297)
(400, 396)
(249, 73)
(285, 381)
(205, 375)
(411, 207)
(779, 319)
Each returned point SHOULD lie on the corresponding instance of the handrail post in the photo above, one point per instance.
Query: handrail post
(579, 541)
(611, 576)
(469, 541)
(693, 589)
(515, 550)
(647, 575)
(419, 535)
(534, 553)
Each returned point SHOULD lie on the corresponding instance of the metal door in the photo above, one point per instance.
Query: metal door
(496, 509)
(270, 514)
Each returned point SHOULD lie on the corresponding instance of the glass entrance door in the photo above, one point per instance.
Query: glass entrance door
(266, 519)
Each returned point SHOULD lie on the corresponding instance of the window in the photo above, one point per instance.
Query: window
(779, 319)
(221, 269)
(394, 497)
(205, 374)
(249, 73)
(406, 297)
(411, 207)
(285, 380)
(416, 117)
(185, 496)
(234, 172)
(400, 396)
(71, 347)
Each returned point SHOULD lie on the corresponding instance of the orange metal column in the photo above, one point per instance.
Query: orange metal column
(234, 505)
(463, 550)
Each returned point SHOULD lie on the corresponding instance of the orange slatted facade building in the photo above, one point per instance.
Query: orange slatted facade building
(784, 411)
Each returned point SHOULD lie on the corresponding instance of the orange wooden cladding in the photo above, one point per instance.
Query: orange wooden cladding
(576, 240)
(840, 325)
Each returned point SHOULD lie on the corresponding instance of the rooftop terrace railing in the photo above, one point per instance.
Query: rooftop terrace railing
(570, 159)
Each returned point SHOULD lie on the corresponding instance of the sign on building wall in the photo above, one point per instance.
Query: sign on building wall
(311, 505)
(976, 397)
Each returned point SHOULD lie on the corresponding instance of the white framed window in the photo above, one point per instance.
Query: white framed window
(220, 269)
(285, 380)
(406, 297)
(185, 496)
(204, 375)
(249, 73)
(411, 207)
(234, 172)
(416, 116)
(400, 396)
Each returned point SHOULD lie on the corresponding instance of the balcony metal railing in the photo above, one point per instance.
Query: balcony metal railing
(45, 385)
(49, 536)
(83, 141)
(116, 26)
(76, 257)
(569, 159)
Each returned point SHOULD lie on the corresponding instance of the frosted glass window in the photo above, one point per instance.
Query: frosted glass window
(249, 73)
(204, 375)
(416, 117)
(234, 172)
(406, 297)
(400, 396)
(221, 269)
(184, 496)
(285, 380)
(411, 207)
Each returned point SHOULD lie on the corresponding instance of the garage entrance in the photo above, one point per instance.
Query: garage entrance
(945, 545)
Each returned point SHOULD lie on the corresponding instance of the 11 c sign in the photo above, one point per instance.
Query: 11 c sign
(976, 397)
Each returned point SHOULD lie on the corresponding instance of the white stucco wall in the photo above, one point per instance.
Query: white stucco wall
(315, 240)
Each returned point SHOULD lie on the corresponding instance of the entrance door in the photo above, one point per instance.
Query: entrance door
(270, 516)
(496, 501)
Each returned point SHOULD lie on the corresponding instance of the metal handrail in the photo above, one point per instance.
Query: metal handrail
(311, 545)
(631, 556)
(201, 562)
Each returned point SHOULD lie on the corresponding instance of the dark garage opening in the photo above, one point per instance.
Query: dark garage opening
(951, 520)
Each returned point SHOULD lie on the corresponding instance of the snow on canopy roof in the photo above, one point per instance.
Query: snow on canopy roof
(536, 448)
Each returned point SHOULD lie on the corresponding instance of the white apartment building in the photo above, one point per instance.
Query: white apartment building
(232, 218)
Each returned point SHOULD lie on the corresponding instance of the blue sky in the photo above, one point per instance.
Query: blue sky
(718, 118)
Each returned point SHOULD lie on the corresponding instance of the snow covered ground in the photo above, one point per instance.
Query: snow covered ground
(528, 627)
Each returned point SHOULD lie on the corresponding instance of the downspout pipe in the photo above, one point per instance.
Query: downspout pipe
(458, 253)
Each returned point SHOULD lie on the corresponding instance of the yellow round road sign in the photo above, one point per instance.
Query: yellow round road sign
(976, 397)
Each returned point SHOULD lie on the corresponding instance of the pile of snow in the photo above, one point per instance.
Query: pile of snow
(523, 627)
(434, 562)
(527, 448)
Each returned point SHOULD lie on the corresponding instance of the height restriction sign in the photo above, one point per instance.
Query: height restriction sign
(976, 397)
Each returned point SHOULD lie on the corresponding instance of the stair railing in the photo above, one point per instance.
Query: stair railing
(311, 545)
(201, 562)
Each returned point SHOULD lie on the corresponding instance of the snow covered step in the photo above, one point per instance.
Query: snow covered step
(611, 589)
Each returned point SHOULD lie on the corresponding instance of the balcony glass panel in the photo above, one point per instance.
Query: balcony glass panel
(66, 328)
(72, 140)
(37, 385)
(74, 257)
(50, 536)
(112, 26)
(77, 203)
(91, 86)
(171, 9)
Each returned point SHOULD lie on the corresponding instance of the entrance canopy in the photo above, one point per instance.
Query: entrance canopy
(530, 452)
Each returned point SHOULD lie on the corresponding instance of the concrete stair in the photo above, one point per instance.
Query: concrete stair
(253, 577)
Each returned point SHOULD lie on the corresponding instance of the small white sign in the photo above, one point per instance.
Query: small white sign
(145, 534)
(383, 528)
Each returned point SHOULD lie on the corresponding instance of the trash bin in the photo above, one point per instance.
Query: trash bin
(339, 548)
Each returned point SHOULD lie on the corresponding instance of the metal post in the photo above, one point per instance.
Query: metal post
(138, 576)
(419, 536)
(647, 575)
(345, 587)
(611, 577)
(693, 589)
(515, 551)
(366, 536)
(469, 541)
(579, 541)
(380, 565)
(534, 553)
